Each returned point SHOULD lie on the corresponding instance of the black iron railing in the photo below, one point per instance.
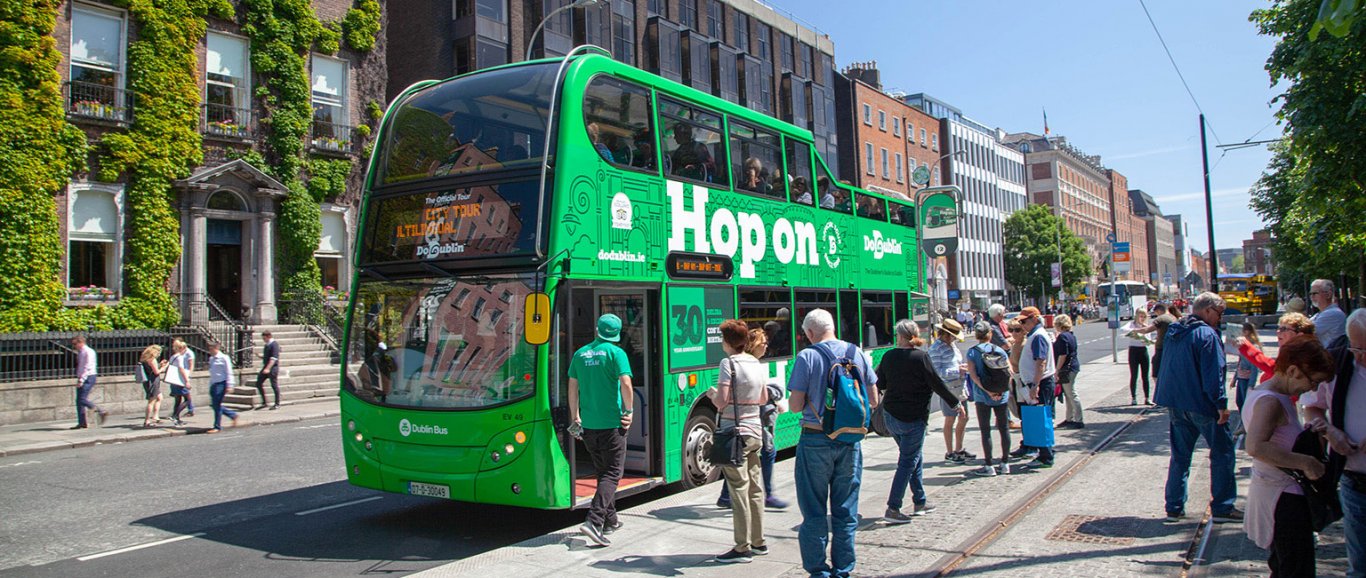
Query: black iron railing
(99, 101)
(332, 137)
(228, 121)
(50, 355)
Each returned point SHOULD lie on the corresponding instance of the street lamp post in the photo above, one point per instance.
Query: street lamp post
(552, 14)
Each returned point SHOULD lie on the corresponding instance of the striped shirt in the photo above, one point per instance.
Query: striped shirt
(946, 360)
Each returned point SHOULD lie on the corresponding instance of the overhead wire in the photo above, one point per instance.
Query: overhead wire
(1178, 69)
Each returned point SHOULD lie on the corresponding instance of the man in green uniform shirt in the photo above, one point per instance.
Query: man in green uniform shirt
(600, 406)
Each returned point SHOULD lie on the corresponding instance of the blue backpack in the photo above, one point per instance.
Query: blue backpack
(847, 414)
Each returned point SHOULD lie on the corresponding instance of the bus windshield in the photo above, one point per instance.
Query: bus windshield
(452, 343)
(486, 121)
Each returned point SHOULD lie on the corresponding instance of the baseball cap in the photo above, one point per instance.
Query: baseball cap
(1029, 312)
(609, 328)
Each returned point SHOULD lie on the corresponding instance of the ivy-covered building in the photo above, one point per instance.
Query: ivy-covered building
(169, 151)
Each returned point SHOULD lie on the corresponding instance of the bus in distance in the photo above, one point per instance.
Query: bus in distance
(1129, 295)
(507, 209)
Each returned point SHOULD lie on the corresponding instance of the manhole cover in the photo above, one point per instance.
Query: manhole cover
(1094, 530)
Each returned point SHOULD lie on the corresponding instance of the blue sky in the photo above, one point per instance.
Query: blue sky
(1098, 68)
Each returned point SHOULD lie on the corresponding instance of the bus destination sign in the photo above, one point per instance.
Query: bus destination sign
(699, 266)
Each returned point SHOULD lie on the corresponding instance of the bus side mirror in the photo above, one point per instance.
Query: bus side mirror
(536, 318)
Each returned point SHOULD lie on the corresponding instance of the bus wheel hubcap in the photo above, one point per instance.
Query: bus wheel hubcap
(699, 445)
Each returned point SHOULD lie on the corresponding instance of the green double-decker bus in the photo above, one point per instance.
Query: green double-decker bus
(506, 209)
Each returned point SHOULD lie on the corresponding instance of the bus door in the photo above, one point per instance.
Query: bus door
(638, 337)
(638, 310)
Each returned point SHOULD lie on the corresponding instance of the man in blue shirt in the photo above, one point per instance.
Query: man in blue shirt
(828, 472)
(1191, 386)
(1330, 322)
(220, 379)
(1038, 370)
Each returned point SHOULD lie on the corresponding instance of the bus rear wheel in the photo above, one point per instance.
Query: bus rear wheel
(697, 438)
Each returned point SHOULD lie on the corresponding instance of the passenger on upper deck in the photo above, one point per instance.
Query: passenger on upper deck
(752, 179)
(690, 159)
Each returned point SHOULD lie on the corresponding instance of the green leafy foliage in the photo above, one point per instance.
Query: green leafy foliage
(361, 25)
(163, 144)
(327, 178)
(40, 151)
(1336, 16)
(1311, 194)
(1032, 238)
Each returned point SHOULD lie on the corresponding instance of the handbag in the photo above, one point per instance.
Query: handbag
(1037, 423)
(880, 422)
(727, 449)
(1322, 495)
(175, 375)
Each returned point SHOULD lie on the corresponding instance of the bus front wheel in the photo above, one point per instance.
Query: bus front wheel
(697, 438)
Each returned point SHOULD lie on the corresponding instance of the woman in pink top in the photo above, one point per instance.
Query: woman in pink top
(1277, 511)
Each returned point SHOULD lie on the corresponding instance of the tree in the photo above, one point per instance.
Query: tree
(1238, 265)
(1032, 238)
(1311, 194)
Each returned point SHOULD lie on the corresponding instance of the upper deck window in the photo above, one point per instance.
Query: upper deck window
(617, 117)
(695, 148)
(488, 121)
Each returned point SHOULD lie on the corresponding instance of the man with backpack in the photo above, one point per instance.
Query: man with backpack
(832, 386)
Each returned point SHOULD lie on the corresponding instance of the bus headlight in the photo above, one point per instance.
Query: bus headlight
(507, 449)
(359, 437)
(495, 456)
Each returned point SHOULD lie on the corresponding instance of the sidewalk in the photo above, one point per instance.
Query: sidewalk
(678, 535)
(30, 438)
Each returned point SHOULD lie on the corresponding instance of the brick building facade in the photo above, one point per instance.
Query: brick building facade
(885, 139)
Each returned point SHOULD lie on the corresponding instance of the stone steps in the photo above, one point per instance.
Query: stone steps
(308, 369)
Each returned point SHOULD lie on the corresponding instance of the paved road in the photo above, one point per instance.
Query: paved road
(251, 500)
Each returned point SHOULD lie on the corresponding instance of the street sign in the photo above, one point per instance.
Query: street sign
(1122, 258)
(939, 221)
(954, 294)
(1110, 238)
(921, 175)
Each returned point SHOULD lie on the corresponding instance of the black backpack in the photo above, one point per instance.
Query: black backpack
(995, 374)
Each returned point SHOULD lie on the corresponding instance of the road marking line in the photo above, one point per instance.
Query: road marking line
(335, 506)
(318, 426)
(17, 464)
(139, 547)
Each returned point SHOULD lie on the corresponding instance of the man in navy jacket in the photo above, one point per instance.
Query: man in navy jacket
(1191, 385)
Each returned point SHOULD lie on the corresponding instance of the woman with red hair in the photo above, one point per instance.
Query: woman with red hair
(1277, 511)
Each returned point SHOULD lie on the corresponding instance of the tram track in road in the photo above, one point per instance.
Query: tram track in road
(966, 550)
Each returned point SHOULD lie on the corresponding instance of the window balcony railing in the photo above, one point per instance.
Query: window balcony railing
(227, 121)
(332, 137)
(99, 101)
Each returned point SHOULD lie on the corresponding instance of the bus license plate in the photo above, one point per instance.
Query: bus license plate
(429, 490)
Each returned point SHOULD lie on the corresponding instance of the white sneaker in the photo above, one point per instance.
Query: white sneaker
(983, 472)
(1003, 469)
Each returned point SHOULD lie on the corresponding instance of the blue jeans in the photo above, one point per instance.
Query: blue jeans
(827, 472)
(1240, 387)
(1186, 427)
(1353, 498)
(83, 400)
(216, 393)
(910, 463)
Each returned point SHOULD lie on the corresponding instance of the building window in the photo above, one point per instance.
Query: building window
(96, 87)
(868, 115)
(882, 120)
(742, 31)
(896, 126)
(657, 8)
(765, 33)
(786, 48)
(94, 236)
(886, 170)
(805, 55)
(934, 142)
(227, 88)
(935, 179)
(331, 247)
(868, 157)
(923, 142)
(557, 37)
(624, 31)
(687, 13)
(716, 19)
(900, 169)
(330, 130)
(910, 131)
